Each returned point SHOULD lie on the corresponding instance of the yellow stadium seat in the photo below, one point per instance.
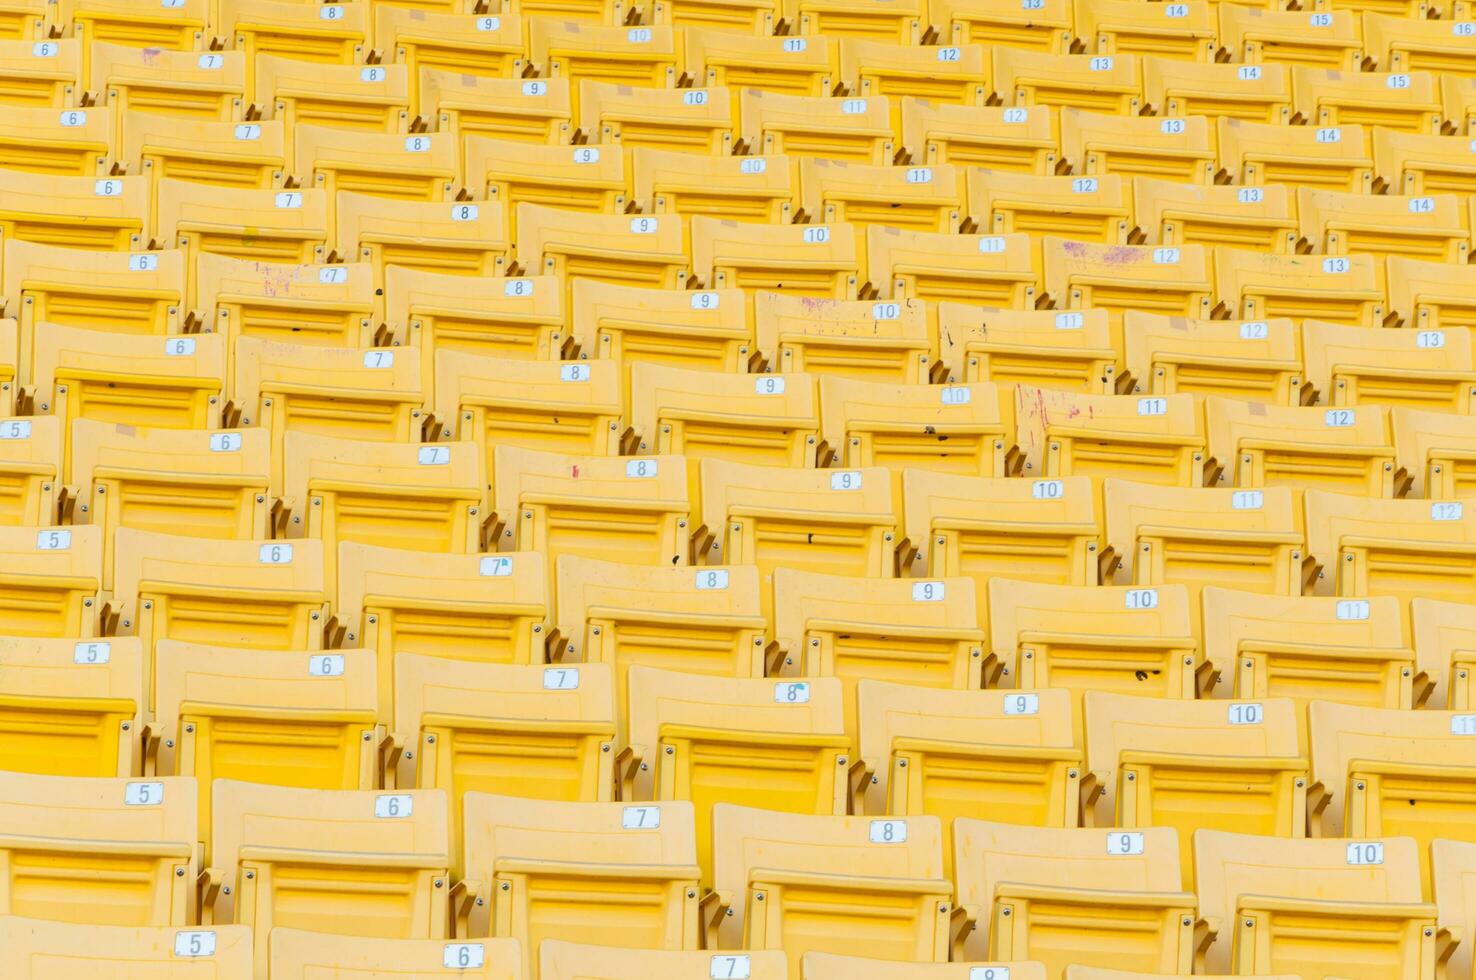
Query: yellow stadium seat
(179, 27)
(1252, 93)
(884, 342)
(1071, 351)
(1435, 451)
(1152, 439)
(47, 140)
(1192, 765)
(480, 608)
(1458, 98)
(349, 862)
(1041, 530)
(487, 45)
(1175, 213)
(451, 236)
(1337, 223)
(1405, 548)
(52, 578)
(1098, 83)
(633, 509)
(1254, 35)
(910, 199)
(198, 86)
(33, 949)
(640, 56)
(587, 178)
(23, 19)
(1431, 295)
(707, 329)
(1013, 139)
(417, 167)
(874, 20)
(1093, 973)
(632, 250)
(1047, 27)
(854, 129)
(1404, 43)
(30, 470)
(1109, 638)
(299, 955)
(829, 884)
(522, 318)
(1315, 906)
(714, 56)
(313, 305)
(693, 120)
(734, 187)
(362, 98)
(1170, 280)
(532, 110)
(913, 631)
(804, 261)
(1092, 208)
(40, 73)
(571, 961)
(1444, 639)
(333, 36)
(71, 707)
(1349, 450)
(1258, 358)
(1185, 32)
(953, 429)
(349, 393)
(957, 74)
(830, 966)
(1331, 157)
(9, 365)
(1064, 895)
(1455, 868)
(78, 212)
(1265, 286)
(99, 851)
(232, 154)
(715, 740)
(611, 873)
(1337, 97)
(1414, 163)
(1430, 369)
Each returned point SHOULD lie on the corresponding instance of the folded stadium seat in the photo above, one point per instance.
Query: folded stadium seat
(1412, 163)
(1093, 209)
(432, 311)
(1191, 765)
(1338, 223)
(463, 237)
(1072, 895)
(1435, 451)
(1175, 148)
(1278, 904)
(527, 109)
(209, 86)
(1444, 644)
(1169, 280)
(1254, 35)
(1094, 973)
(374, 863)
(52, 578)
(740, 17)
(300, 955)
(1176, 213)
(1046, 27)
(99, 851)
(572, 961)
(417, 167)
(882, 341)
(941, 75)
(1402, 43)
(245, 155)
(807, 262)
(952, 428)
(781, 742)
(486, 45)
(586, 178)
(1264, 286)
(78, 212)
(1013, 139)
(829, 966)
(694, 120)
(179, 27)
(30, 470)
(1407, 102)
(1098, 83)
(1431, 295)
(23, 19)
(908, 199)
(737, 188)
(855, 130)
(1458, 98)
(40, 73)
(1252, 93)
(526, 730)
(349, 393)
(1083, 638)
(630, 325)
(362, 98)
(1404, 548)
(1151, 439)
(640, 56)
(714, 57)
(873, 20)
(1428, 369)
(1331, 157)
(1455, 868)
(831, 884)
(9, 366)
(1185, 32)
(47, 140)
(72, 707)
(629, 250)
(280, 718)
(633, 510)
(33, 949)
(337, 34)
(1071, 351)
(916, 632)
(1348, 450)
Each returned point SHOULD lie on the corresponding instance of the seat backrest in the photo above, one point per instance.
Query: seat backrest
(1444, 633)
(52, 578)
(1254, 93)
(1263, 286)
(300, 955)
(1295, 38)
(195, 84)
(752, 188)
(36, 949)
(573, 961)
(769, 419)
(1122, 27)
(831, 966)
(806, 260)
(246, 155)
(30, 466)
(715, 55)
(367, 98)
(1430, 295)
(1419, 368)
(994, 270)
(41, 73)
(1259, 153)
(885, 341)
(1338, 222)
(1351, 537)
(1175, 280)
(48, 140)
(531, 110)
(1254, 444)
(1454, 864)
(1088, 208)
(463, 237)
(1170, 354)
(639, 250)
(428, 40)
(78, 212)
(1068, 350)
(1010, 138)
(955, 428)
(1176, 213)
(1158, 437)
(694, 120)
(858, 130)
(1084, 81)
(1101, 143)
(1408, 101)
(326, 305)
(116, 292)
(248, 223)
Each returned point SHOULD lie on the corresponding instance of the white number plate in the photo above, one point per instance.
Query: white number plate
(640, 818)
(888, 831)
(394, 806)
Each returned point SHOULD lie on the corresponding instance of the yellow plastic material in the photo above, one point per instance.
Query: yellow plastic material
(588, 177)
(739, 188)
(1004, 23)
(855, 130)
(456, 42)
(693, 120)
(637, 56)
(1172, 148)
(33, 949)
(628, 250)
(50, 579)
(461, 237)
(197, 85)
(875, 20)
(572, 961)
(1151, 439)
(1348, 450)
(1455, 869)
(373, 862)
(71, 707)
(22, 19)
(933, 267)
(287, 30)
(1458, 96)
(99, 851)
(1091, 208)
(908, 199)
(1261, 218)
(35, 75)
(1276, 905)
(1405, 43)
(613, 873)
(223, 154)
(883, 341)
(1384, 225)
(1098, 83)
(829, 966)
(71, 142)
(1093, 973)
(1117, 27)
(713, 57)
(361, 98)
(1255, 35)
(1253, 93)
(1413, 163)
(299, 955)
(9, 364)
(1169, 280)
(1014, 139)
(952, 429)
(742, 17)
(1405, 548)
(415, 167)
(956, 74)
(1431, 295)
(1417, 369)
(500, 317)
(830, 884)
(1170, 355)
(1067, 351)
(1332, 157)
(1444, 640)
(531, 110)
(319, 305)
(543, 733)
(1073, 896)
(1264, 286)
(1407, 102)
(78, 212)
(803, 261)
(1435, 451)
(30, 470)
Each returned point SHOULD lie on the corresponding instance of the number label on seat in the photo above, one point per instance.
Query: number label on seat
(1463, 724)
(712, 580)
(949, 54)
(108, 188)
(888, 832)
(1250, 195)
(1249, 713)
(488, 24)
(955, 395)
(1336, 265)
(494, 567)
(853, 107)
(1447, 510)
(371, 74)
(561, 679)
(640, 818)
(15, 429)
(706, 301)
(1320, 20)
(330, 12)
(464, 956)
(641, 469)
(1022, 704)
(1351, 610)
(730, 966)
(44, 49)
(1165, 256)
(517, 288)
(1463, 28)
(143, 794)
(535, 88)
(90, 653)
(1124, 844)
(433, 456)
(465, 212)
(846, 480)
(211, 62)
(179, 347)
(194, 945)
(1397, 81)
(919, 175)
(1140, 599)
(792, 692)
(816, 236)
(795, 45)
(1255, 330)
(1084, 185)
(333, 275)
(73, 117)
(643, 226)
(754, 165)
(1249, 73)
(225, 442)
(638, 35)
(1421, 205)
(1430, 339)
(886, 311)
(768, 385)
(53, 540)
(379, 359)
(1247, 500)
(1014, 116)
(1070, 321)
(694, 97)
(928, 591)
(1048, 489)
(394, 806)
(1339, 418)
(1171, 127)
(1100, 64)
(326, 665)
(1329, 134)
(991, 245)
(277, 553)
(1366, 853)
(1153, 406)
(288, 200)
(574, 372)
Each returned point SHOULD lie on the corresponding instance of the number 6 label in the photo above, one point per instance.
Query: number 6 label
(464, 956)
